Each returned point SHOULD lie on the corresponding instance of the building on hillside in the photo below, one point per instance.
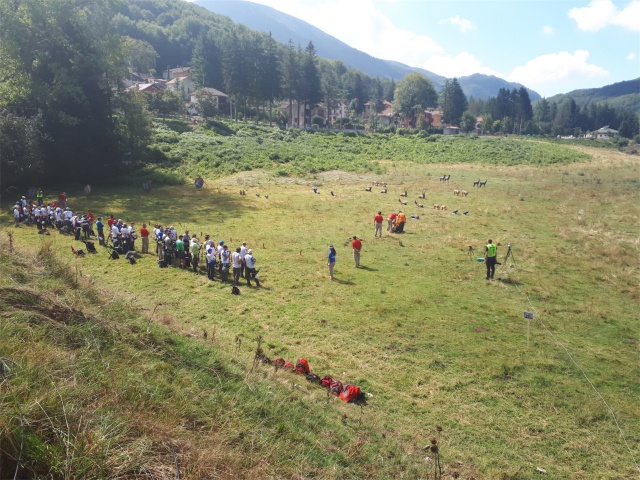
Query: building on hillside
(301, 114)
(384, 118)
(434, 117)
(450, 130)
(221, 98)
(180, 80)
(604, 133)
(147, 87)
(133, 78)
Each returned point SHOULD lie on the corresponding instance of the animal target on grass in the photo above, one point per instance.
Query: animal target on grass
(199, 183)
(146, 187)
(423, 195)
(404, 194)
(464, 193)
(476, 183)
(482, 184)
(456, 192)
(367, 189)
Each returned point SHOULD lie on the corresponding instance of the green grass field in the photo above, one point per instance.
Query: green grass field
(417, 326)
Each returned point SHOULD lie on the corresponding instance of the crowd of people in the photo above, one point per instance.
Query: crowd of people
(184, 251)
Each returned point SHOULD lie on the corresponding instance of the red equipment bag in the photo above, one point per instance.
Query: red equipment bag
(326, 381)
(302, 367)
(336, 387)
(350, 393)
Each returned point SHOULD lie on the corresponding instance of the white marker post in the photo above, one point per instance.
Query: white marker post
(529, 317)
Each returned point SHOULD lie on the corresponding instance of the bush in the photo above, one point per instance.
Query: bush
(317, 120)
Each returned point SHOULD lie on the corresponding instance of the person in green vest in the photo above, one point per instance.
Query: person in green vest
(490, 256)
(40, 196)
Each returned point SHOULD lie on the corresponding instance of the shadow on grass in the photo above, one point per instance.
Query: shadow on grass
(368, 269)
(510, 281)
(343, 282)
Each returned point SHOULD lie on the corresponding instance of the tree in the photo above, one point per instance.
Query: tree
(269, 74)
(291, 77)
(524, 111)
(21, 155)
(413, 94)
(141, 56)
(69, 62)
(629, 127)
(164, 102)
(133, 121)
(453, 102)
(206, 63)
(468, 122)
(207, 104)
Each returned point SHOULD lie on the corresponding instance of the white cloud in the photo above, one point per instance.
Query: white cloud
(373, 33)
(547, 30)
(462, 23)
(600, 13)
(629, 17)
(457, 66)
(554, 68)
(631, 56)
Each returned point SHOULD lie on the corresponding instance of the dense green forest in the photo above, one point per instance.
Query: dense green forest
(65, 113)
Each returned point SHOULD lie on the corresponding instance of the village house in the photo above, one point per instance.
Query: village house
(384, 118)
(180, 80)
(604, 133)
(221, 98)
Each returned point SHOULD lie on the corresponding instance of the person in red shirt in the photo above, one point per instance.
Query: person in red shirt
(377, 222)
(144, 235)
(111, 221)
(62, 198)
(90, 219)
(390, 221)
(357, 246)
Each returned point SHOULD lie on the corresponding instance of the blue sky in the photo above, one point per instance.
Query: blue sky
(549, 46)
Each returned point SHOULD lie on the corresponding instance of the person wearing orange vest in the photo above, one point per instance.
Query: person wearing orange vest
(490, 257)
(401, 219)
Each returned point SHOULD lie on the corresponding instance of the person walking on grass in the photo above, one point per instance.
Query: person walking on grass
(331, 261)
(490, 259)
(377, 223)
(391, 219)
(356, 244)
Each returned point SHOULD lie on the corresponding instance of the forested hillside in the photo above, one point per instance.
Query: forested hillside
(624, 95)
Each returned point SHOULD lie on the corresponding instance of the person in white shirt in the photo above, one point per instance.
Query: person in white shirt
(243, 252)
(250, 268)
(211, 262)
(225, 256)
(16, 214)
(237, 261)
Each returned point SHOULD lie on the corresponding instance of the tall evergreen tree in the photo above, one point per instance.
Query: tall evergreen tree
(453, 102)
(269, 74)
(311, 88)
(291, 77)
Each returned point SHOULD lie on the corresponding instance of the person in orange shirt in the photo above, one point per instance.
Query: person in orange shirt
(401, 219)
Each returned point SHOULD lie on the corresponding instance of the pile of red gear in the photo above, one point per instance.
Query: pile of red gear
(348, 393)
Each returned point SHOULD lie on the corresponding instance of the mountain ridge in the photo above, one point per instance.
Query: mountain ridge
(285, 27)
(625, 94)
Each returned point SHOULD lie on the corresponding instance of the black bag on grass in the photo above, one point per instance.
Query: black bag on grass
(235, 290)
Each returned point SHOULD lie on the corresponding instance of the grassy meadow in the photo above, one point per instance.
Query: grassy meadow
(416, 326)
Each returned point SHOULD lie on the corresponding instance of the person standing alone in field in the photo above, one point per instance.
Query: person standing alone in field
(377, 222)
(331, 261)
(490, 256)
(357, 246)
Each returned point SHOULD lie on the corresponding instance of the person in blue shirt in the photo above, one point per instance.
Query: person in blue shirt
(100, 228)
(331, 261)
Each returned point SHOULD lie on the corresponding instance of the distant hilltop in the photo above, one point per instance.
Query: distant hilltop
(285, 27)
